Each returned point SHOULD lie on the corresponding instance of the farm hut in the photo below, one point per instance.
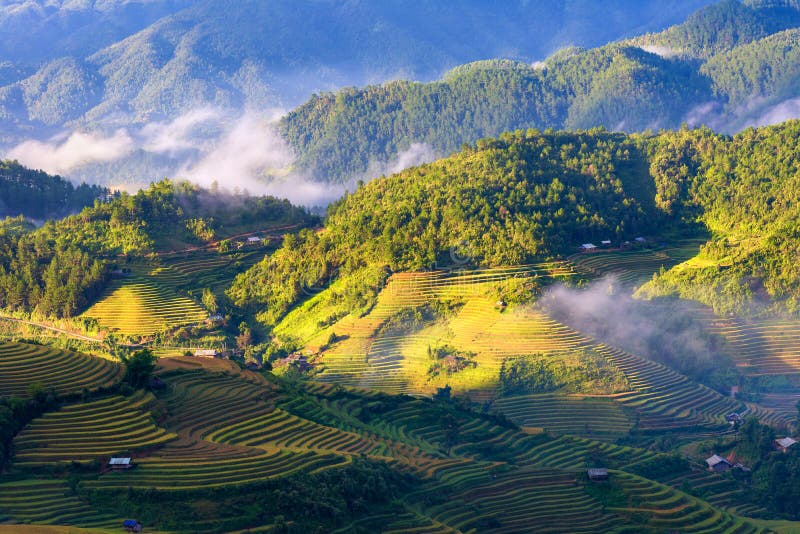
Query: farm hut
(718, 464)
(640, 240)
(598, 473)
(132, 525)
(253, 240)
(205, 353)
(120, 463)
(784, 444)
(606, 242)
(216, 318)
(733, 418)
(588, 246)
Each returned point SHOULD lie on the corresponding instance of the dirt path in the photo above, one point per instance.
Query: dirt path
(52, 328)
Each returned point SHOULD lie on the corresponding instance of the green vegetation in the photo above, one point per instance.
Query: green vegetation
(37, 195)
(583, 372)
(745, 188)
(509, 201)
(61, 268)
(724, 26)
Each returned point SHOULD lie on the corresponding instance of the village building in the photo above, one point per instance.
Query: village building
(718, 464)
(120, 463)
(733, 418)
(784, 444)
(588, 246)
(598, 473)
(640, 240)
(606, 242)
(253, 240)
(205, 353)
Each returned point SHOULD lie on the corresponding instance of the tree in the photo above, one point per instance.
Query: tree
(209, 300)
(139, 367)
(245, 337)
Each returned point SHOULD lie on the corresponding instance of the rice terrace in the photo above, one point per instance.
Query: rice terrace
(392, 267)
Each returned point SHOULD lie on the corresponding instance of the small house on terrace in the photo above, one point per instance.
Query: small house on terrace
(120, 463)
(784, 444)
(598, 473)
(718, 464)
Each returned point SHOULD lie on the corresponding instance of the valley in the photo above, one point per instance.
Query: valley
(359, 267)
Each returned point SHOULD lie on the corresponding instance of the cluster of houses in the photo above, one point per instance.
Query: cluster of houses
(718, 464)
(606, 243)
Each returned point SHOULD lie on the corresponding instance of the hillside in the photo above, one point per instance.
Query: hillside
(231, 450)
(507, 201)
(37, 195)
(727, 66)
(59, 269)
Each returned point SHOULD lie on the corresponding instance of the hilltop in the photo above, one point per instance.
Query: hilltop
(728, 66)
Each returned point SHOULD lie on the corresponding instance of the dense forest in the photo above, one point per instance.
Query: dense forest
(530, 196)
(60, 268)
(505, 201)
(723, 67)
(37, 195)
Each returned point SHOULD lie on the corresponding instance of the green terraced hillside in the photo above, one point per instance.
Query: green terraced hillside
(236, 437)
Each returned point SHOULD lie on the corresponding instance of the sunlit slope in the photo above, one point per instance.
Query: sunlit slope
(370, 352)
(23, 364)
(134, 306)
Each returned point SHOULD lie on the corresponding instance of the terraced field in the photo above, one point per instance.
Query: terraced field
(83, 432)
(134, 306)
(513, 501)
(50, 502)
(23, 364)
(633, 267)
(671, 510)
(765, 347)
(595, 417)
(234, 429)
(397, 361)
(192, 474)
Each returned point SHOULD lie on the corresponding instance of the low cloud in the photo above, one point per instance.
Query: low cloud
(416, 154)
(662, 51)
(179, 135)
(61, 155)
(252, 156)
(667, 331)
(782, 112)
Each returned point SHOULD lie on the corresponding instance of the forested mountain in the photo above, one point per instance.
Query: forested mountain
(745, 189)
(532, 196)
(164, 57)
(106, 66)
(724, 67)
(58, 269)
(37, 195)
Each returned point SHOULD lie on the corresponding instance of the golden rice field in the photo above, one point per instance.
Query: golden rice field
(135, 307)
